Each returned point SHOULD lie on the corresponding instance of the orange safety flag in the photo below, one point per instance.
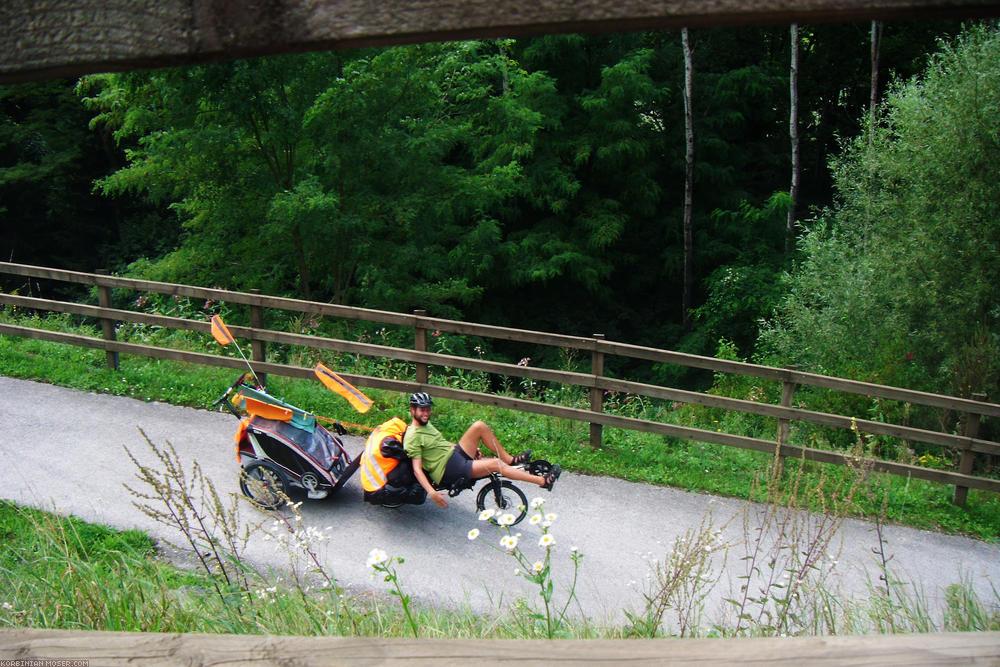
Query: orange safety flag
(341, 386)
(220, 332)
(257, 408)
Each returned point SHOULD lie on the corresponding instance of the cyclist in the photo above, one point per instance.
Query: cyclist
(439, 463)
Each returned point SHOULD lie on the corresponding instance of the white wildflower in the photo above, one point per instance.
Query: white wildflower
(508, 542)
(377, 557)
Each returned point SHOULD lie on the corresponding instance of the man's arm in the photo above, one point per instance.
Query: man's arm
(435, 495)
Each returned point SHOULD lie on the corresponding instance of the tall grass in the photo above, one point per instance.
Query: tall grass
(62, 573)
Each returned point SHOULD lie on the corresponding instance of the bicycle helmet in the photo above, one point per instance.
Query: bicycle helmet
(421, 399)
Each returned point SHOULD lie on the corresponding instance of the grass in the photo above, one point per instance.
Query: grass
(628, 455)
(61, 573)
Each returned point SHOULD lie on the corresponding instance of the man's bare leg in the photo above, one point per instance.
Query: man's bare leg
(478, 433)
(483, 467)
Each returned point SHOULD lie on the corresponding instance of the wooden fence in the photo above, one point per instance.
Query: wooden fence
(785, 413)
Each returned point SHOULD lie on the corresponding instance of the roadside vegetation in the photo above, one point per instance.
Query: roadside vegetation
(62, 573)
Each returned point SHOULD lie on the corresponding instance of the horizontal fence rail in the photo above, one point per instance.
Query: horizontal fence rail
(968, 444)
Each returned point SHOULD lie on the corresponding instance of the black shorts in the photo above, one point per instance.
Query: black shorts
(459, 465)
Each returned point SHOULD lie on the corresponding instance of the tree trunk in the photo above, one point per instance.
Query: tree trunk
(300, 257)
(793, 133)
(688, 288)
(505, 81)
(877, 27)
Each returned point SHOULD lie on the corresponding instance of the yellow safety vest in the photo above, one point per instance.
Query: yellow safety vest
(374, 466)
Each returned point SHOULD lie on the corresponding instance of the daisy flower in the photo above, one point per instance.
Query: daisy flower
(377, 557)
(508, 542)
(473, 534)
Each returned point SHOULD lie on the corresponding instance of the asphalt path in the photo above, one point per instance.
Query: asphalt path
(64, 450)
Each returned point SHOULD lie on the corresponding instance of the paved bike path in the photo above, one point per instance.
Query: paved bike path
(63, 450)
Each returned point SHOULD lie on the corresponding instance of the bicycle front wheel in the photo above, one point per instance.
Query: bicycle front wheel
(504, 498)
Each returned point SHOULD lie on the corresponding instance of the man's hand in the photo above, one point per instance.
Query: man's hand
(439, 499)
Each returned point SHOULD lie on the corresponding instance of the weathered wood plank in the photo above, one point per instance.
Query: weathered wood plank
(121, 648)
(198, 358)
(63, 38)
(800, 377)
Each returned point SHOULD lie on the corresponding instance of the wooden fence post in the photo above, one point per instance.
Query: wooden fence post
(420, 344)
(107, 325)
(784, 425)
(968, 456)
(258, 348)
(596, 393)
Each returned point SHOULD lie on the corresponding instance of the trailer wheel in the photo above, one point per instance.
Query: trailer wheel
(264, 484)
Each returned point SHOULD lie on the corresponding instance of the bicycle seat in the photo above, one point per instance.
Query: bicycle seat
(459, 485)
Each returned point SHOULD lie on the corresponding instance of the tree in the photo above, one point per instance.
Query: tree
(48, 157)
(876, 40)
(688, 181)
(793, 135)
(369, 177)
(898, 281)
(216, 144)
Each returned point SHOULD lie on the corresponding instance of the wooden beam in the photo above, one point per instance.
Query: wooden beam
(121, 648)
(68, 38)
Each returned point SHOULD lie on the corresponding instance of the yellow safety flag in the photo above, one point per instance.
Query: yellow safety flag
(341, 386)
(220, 332)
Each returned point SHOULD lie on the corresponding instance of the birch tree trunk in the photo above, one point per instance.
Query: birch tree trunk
(793, 133)
(688, 288)
(877, 27)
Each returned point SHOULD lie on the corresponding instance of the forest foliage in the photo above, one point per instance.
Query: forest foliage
(898, 279)
(539, 183)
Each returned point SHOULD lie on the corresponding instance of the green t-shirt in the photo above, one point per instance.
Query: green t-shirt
(427, 443)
